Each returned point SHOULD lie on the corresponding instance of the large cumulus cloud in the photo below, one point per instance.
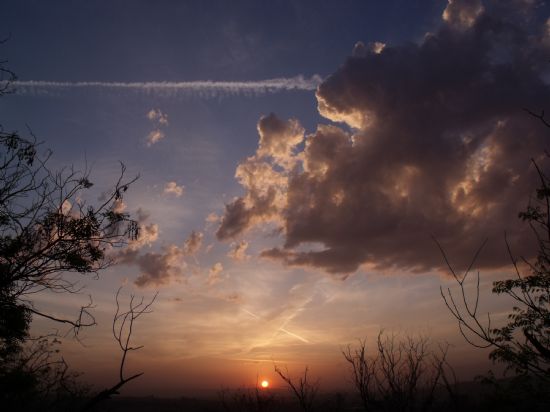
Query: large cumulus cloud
(434, 141)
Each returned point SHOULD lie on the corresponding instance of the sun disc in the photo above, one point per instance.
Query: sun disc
(264, 384)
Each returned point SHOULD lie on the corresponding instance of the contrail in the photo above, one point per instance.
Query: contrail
(294, 335)
(282, 329)
(200, 88)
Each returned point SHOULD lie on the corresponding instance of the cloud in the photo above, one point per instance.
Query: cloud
(173, 189)
(462, 13)
(148, 234)
(155, 115)
(154, 136)
(238, 250)
(156, 268)
(434, 141)
(159, 119)
(67, 207)
(119, 206)
(278, 139)
(204, 88)
(214, 274)
(193, 243)
(212, 218)
(265, 176)
(360, 50)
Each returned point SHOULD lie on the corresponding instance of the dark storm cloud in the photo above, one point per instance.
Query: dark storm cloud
(440, 145)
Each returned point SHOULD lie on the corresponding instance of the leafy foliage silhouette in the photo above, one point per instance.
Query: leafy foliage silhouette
(48, 231)
(522, 344)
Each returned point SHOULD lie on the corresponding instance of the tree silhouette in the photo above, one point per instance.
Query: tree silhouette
(522, 344)
(303, 389)
(123, 327)
(248, 400)
(48, 231)
(401, 375)
(38, 378)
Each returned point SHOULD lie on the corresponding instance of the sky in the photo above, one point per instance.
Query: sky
(295, 160)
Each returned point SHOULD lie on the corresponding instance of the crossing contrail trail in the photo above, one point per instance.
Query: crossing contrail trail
(200, 88)
(282, 329)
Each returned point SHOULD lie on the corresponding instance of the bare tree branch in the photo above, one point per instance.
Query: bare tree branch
(303, 389)
(122, 328)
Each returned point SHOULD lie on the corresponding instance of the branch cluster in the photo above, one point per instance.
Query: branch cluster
(47, 230)
(402, 375)
(304, 389)
(523, 343)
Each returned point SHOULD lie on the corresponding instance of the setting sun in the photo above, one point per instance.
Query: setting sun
(264, 384)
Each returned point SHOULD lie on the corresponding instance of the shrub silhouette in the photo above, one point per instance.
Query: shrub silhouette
(401, 374)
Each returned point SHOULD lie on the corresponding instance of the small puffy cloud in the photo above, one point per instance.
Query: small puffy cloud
(172, 188)
(66, 207)
(155, 115)
(119, 206)
(214, 274)
(154, 136)
(148, 234)
(238, 250)
(438, 146)
(212, 218)
(193, 243)
(160, 120)
(156, 268)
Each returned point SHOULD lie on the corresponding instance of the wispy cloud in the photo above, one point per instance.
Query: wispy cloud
(200, 88)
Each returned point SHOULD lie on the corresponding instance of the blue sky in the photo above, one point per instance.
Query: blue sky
(236, 312)
(191, 40)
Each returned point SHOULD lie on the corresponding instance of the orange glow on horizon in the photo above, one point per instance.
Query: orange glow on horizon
(264, 384)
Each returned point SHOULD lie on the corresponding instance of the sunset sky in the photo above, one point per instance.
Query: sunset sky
(295, 160)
